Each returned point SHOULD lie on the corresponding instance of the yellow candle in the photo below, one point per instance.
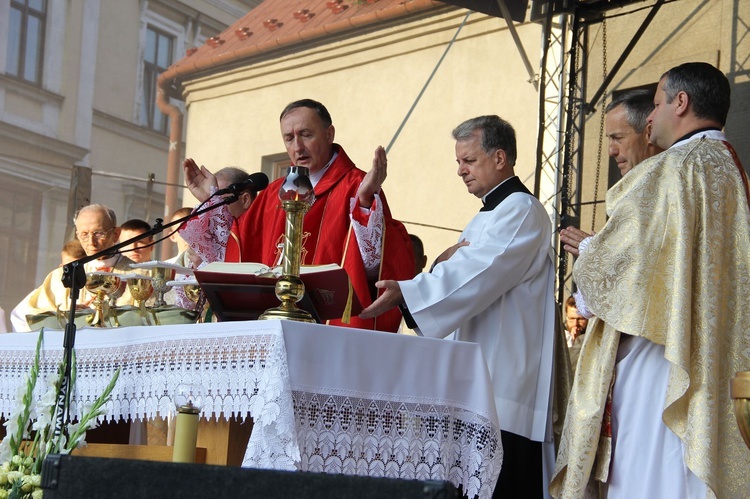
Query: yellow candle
(186, 434)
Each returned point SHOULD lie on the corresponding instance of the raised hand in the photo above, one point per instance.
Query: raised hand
(198, 179)
(374, 179)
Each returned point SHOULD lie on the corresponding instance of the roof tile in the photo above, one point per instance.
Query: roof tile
(284, 23)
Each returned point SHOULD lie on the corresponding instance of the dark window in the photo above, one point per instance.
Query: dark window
(26, 39)
(157, 57)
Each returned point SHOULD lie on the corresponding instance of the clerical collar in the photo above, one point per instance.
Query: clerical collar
(315, 177)
(504, 189)
(708, 132)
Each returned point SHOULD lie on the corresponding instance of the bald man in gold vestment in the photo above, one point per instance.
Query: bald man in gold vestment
(666, 280)
(96, 228)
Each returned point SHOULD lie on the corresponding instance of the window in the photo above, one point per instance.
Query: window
(275, 165)
(26, 39)
(157, 57)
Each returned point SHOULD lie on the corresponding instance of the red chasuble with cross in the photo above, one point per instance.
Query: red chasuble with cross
(327, 236)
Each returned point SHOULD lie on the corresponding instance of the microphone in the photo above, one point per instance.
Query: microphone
(255, 182)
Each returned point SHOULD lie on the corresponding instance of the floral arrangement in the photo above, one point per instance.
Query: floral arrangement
(20, 454)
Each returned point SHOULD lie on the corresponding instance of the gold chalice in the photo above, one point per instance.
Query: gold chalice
(101, 284)
(141, 288)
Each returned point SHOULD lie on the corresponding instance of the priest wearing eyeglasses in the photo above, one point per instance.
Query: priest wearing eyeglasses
(97, 230)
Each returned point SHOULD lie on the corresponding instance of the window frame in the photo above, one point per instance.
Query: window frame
(20, 70)
(167, 27)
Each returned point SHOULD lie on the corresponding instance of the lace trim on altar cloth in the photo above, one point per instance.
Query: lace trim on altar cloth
(253, 380)
(208, 233)
(244, 372)
(356, 436)
(370, 236)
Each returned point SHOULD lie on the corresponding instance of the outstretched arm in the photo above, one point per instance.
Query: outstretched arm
(390, 298)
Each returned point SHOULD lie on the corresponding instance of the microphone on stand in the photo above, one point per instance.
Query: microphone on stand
(256, 182)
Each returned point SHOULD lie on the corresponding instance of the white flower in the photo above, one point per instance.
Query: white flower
(5, 451)
(43, 420)
(50, 396)
(37, 494)
(21, 389)
(11, 426)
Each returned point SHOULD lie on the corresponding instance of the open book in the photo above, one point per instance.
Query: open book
(243, 291)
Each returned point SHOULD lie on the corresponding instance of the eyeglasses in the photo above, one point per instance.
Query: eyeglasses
(98, 235)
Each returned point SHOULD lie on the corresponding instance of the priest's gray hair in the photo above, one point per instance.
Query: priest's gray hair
(232, 174)
(496, 134)
(638, 104)
(108, 212)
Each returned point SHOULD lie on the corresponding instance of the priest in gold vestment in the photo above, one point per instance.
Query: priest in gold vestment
(96, 228)
(666, 280)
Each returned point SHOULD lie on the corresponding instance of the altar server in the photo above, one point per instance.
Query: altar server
(495, 288)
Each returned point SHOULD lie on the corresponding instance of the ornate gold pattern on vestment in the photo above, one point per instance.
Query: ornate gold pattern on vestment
(671, 265)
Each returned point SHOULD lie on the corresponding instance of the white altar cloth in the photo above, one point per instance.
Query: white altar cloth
(322, 398)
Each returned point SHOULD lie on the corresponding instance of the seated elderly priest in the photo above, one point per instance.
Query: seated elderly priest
(96, 228)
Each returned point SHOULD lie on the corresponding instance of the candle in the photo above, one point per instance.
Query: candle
(188, 399)
(186, 434)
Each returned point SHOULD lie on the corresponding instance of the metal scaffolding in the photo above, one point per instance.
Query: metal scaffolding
(563, 106)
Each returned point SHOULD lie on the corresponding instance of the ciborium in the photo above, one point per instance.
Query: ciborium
(296, 195)
(101, 284)
(740, 392)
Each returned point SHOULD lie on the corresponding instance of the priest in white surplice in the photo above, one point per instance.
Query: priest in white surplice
(495, 288)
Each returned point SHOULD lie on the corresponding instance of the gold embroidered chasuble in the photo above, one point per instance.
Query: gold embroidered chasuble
(671, 265)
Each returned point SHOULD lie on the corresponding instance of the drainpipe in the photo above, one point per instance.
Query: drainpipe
(174, 157)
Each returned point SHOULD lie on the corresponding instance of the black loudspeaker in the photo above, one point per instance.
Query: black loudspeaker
(73, 477)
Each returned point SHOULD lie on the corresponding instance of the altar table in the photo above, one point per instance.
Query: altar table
(322, 398)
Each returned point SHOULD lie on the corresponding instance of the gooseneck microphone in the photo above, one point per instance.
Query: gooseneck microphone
(256, 182)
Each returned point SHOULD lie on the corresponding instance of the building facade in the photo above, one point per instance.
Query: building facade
(78, 119)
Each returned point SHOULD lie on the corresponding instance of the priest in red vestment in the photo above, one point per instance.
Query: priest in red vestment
(348, 224)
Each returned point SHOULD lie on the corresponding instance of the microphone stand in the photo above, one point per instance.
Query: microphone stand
(74, 277)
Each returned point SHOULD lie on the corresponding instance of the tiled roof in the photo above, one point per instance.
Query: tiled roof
(277, 24)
